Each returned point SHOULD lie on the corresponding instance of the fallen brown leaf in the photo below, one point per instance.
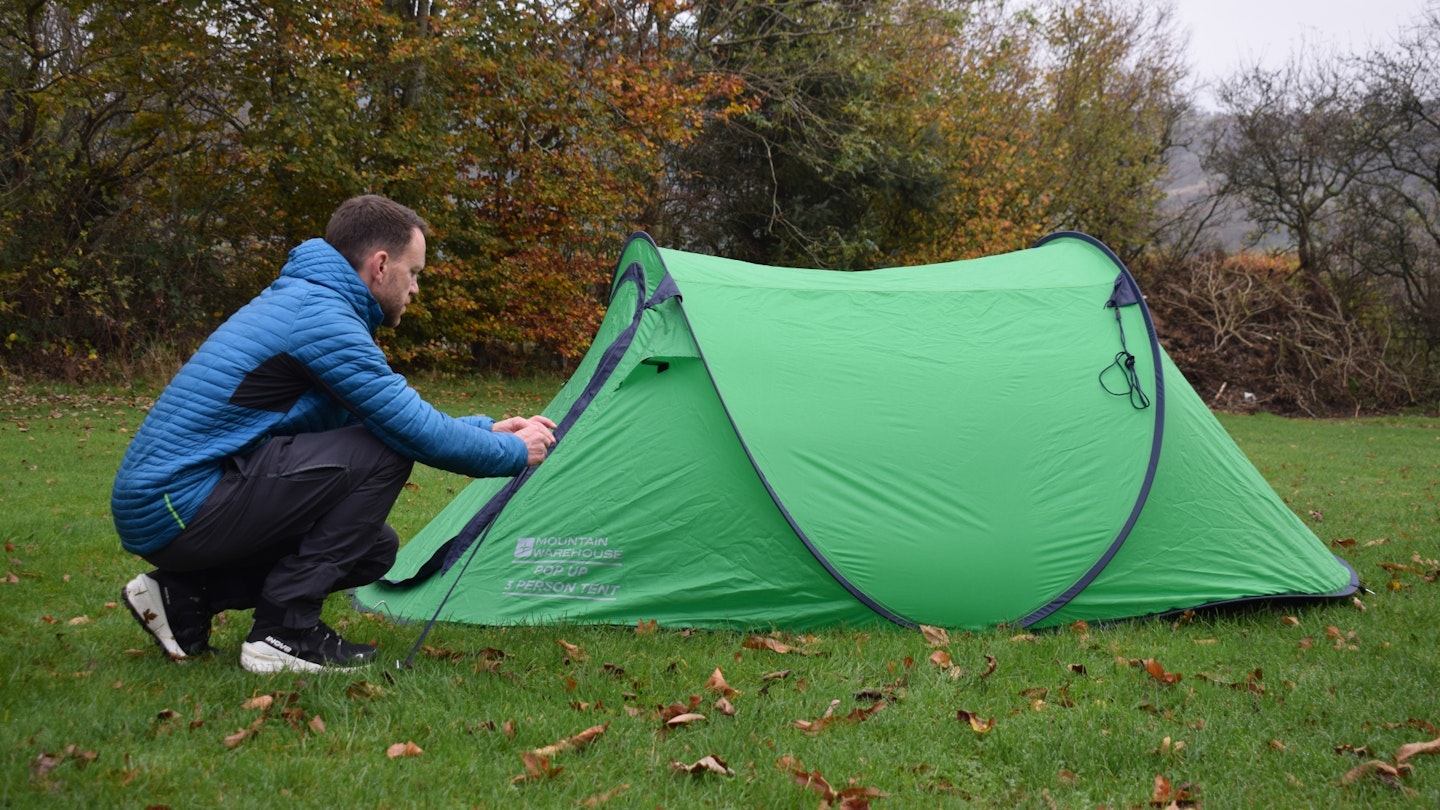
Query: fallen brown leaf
(574, 743)
(678, 708)
(1161, 793)
(405, 749)
(536, 767)
(1411, 749)
(717, 684)
(725, 707)
(1168, 747)
(851, 798)
(571, 651)
(707, 764)
(990, 664)
(979, 726)
(43, 764)
(364, 690)
(1158, 672)
(857, 715)
(762, 643)
(1383, 771)
(935, 636)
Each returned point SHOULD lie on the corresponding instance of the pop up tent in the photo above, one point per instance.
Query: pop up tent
(994, 441)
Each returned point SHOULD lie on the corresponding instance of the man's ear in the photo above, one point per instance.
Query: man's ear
(375, 267)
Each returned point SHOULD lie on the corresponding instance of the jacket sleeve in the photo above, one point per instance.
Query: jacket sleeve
(334, 344)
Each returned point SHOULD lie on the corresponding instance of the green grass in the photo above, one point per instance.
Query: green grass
(93, 716)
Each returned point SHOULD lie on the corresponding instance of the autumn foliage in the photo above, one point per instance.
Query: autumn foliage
(158, 161)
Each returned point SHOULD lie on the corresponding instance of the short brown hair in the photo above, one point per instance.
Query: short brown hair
(365, 224)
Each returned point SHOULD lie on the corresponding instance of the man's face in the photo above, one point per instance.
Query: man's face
(397, 278)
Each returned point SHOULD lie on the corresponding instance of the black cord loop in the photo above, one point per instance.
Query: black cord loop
(1125, 363)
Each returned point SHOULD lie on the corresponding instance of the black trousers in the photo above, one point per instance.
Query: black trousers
(292, 522)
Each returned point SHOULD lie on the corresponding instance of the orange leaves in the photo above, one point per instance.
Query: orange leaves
(717, 684)
(537, 767)
(1158, 672)
(1409, 750)
(828, 719)
(405, 749)
(537, 761)
(1388, 772)
(1168, 796)
(854, 797)
(44, 763)
(775, 645)
(574, 743)
(678, 709)
(941, 659)
(241, 735)
(1343, 640)
(684, 718)
(976, 724)
(707, 764)
(1152, 667)
(364, 690)
(285, 703)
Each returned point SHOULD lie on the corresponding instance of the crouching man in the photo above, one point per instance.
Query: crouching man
(264, 473)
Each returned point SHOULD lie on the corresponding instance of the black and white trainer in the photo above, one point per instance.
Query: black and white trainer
(176, 616)
(318, 649)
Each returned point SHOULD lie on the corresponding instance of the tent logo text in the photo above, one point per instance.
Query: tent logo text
(590, 549)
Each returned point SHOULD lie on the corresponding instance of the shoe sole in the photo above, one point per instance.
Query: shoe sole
(263, 659)
(142, 596)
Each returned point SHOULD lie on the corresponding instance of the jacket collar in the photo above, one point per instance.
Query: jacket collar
(315, 261)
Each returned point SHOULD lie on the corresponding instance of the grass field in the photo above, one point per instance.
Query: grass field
(1309, 708)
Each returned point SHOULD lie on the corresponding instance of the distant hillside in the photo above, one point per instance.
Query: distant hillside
(1187, 182)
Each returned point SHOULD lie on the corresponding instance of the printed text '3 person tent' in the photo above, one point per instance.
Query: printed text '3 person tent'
(998, 440)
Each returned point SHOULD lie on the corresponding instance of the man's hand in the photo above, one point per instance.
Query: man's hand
(537, 431)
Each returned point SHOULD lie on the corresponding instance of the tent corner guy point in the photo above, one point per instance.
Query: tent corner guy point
(1000, 440)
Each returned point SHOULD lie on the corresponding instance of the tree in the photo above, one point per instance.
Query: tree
(1111, 83)
(831, 137)
(1287, 148)
(1390, 220)
(98, 100)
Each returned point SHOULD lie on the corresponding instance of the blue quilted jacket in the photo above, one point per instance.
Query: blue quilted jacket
(299, 358)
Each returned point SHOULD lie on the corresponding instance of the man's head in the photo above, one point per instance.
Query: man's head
(385, 242)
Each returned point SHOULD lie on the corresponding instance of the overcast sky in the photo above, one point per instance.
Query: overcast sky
(1226, 34)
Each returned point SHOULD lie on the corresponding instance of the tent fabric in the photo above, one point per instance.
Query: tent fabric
(994, 441)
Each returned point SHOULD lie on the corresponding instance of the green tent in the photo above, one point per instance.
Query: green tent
(999, 440)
